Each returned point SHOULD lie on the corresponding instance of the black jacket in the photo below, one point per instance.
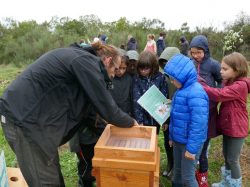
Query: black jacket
(52, 95)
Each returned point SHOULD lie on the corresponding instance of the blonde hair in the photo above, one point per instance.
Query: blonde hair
(104, 50)
(238, 63)
(151, 36)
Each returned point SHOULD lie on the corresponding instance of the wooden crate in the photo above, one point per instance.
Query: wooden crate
(127, 157)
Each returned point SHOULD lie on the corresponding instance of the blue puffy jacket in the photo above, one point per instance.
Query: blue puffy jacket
(190, 105)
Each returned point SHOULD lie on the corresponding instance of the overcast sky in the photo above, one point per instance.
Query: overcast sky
(172, 12)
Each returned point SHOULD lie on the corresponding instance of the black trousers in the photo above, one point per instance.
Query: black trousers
(84, 165)
(168, 149)
(34, 165)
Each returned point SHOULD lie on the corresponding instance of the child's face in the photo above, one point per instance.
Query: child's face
(145, 71)
(121, 70)
(197, 54)
(132, 67)
(227, 73)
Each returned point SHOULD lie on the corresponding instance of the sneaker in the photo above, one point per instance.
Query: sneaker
(165, 173)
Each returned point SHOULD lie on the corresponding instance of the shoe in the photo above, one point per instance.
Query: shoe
(202, 178)
(168, 173)
(234, 182)
(224, 182)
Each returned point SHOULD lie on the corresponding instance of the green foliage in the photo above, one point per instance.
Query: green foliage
(22, 42)
(232, 41)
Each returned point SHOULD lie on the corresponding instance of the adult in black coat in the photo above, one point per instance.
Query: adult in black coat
(42, 108)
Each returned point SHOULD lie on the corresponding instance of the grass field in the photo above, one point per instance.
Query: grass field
(68, 159)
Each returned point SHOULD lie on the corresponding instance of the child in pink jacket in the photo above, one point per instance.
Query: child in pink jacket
(233, 117)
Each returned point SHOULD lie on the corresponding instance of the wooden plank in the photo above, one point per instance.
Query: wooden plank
(135, 131)
(124, 154)
(157, 171)
(124, 164)
(123, 178)
(15, 178)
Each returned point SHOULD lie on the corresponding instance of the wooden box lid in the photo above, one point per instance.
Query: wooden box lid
(127, 148)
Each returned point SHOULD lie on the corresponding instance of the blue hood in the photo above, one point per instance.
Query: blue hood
(182, 69)
(201, 42)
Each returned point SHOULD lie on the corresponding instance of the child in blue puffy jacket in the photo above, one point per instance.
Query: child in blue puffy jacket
(188, 119)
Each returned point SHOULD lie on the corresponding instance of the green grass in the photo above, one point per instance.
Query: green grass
(68, 160)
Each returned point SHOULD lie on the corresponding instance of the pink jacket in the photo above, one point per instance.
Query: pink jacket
(233, 116)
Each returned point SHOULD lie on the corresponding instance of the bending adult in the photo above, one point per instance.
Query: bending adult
(42, 107)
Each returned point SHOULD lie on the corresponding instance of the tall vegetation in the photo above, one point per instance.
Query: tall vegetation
(22, 42)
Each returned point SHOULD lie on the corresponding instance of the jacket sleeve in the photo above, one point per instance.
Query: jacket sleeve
(216, 74)
(137, 109)
(227, 93)
(87, 72)
(197, 129)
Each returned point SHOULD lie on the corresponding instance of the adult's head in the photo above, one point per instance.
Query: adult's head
(168, 53)
(162, 34)
(110, 57)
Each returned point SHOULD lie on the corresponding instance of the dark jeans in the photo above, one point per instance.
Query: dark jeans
(36, 169)
(184, 169)
(203, 160)
(231, 151)
(84, 165)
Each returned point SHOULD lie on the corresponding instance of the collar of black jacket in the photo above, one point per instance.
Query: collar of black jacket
(91, 50)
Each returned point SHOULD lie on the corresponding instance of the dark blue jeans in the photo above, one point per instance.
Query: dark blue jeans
(36, 169)
(184, 169)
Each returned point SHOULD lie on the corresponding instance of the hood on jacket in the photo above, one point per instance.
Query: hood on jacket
(169, 52)
(201, 41)
(247, 81)
(182, 69)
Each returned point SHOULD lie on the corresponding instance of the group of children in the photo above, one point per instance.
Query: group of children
(200, 83)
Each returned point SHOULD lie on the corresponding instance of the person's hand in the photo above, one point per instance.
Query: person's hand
(202, 81)
(135, 123)
(189, 156)
(164, 126)
(170, 142)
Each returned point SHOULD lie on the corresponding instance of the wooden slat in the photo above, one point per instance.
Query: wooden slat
(123, 178)
(15, 178)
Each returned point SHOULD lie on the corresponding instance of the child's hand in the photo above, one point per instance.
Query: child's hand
(164, 126)
(189, 156)
(170, 143)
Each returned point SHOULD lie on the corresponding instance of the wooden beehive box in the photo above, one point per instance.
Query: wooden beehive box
(127, 157)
